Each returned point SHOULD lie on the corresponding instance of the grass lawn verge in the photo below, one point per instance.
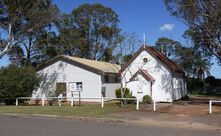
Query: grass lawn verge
(91, 110)
(198, 96)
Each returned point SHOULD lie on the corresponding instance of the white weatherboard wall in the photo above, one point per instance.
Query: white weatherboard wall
(179, 86)
(110, 89)
(162, 86)
(65, 72)
(139, 88)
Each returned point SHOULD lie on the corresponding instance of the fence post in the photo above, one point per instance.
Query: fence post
(72, 101)
(43, 101)
(59, 101)
(102, 102)
(154, 106)
(210, 107)
(16, 101)
(137, 106)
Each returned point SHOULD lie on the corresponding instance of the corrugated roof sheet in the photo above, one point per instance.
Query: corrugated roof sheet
(99, 65)
(96, 66)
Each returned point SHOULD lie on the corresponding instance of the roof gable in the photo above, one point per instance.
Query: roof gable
(144, 73)
(171, 65)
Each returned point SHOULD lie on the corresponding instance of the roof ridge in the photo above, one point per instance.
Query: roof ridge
(90, 59)
(95, 65)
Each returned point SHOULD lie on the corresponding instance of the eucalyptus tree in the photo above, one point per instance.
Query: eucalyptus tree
(167, 46)
(204, 16)
(23, 22)
(98, 28)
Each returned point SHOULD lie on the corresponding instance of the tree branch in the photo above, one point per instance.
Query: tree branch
(9, 42)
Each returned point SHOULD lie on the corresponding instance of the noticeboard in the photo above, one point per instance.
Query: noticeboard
(75, 86)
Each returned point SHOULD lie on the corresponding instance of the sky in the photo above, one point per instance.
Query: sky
(139, 16)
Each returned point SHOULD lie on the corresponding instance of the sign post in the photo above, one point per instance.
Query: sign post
(16, 102)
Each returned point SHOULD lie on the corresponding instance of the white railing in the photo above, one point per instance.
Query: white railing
(211, 104)
(102, 100)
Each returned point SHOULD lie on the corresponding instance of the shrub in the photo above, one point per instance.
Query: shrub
(131, 101)
(17, 82)
(126, 93)
(147, 99)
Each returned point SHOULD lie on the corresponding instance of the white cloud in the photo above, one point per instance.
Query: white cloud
(167, 27)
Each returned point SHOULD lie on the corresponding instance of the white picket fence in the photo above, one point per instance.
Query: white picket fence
(211, 104)
(102, 100)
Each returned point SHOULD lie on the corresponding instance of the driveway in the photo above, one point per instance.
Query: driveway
(37, 126)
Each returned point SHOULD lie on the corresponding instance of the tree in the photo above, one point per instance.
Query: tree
(186, 63)
(167, 46)
(201, 58)
(204, 17)
(69, 39)
(17, 81)
(128, 45)
(192, 63)
(23, 22)
(98, 29)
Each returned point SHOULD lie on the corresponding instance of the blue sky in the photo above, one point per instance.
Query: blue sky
(139, 16)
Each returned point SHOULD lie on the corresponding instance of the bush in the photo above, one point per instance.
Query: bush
(126, 93)
(208, 86)
(131, 101)
(147, 99)
(17, 82)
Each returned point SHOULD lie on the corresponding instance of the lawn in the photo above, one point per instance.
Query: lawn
(197, 96)
(90, 110)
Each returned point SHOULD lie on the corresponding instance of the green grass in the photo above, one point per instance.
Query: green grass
(91, 110)
(204, 96)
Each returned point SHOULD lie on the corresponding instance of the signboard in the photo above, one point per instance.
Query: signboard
(75, 86)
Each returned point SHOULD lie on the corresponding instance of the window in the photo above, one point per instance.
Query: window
(111, 78)
(145, 60)
(79, 86)
(117, 79)
(177, 83)
(75, 86)
(106, 79)
(61, 88)
(103, 91)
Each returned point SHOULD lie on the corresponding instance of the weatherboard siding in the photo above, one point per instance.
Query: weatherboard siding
(66, 72)
(162, 86)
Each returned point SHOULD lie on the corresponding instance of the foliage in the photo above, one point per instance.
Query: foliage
(194, 65)
(126, 93)
(25, 21)
(129, 44)
(212, 81)
(127, 58)
(167, 46)
(198, 62)
(203, 17)
(17, 82)
(147, 99)
(209, 86)
(93, 29)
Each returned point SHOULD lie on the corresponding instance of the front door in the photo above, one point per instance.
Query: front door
(61, 88)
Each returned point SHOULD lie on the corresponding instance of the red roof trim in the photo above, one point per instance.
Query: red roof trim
(171, 65)
(144, 73)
